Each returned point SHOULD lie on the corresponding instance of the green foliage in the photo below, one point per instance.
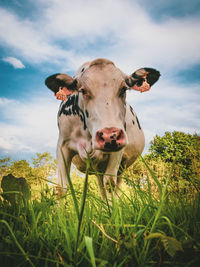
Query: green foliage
(180, 148)
(4, 166)
(170, 244)
(154, 222)
(43, 169)
(178, 152)
(177, 146)
(21, 168)
(136, 230)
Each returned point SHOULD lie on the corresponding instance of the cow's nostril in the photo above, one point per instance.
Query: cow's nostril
(100, 135)
(113, 136)
(119, 135)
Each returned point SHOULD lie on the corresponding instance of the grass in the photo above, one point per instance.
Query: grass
(80, 229)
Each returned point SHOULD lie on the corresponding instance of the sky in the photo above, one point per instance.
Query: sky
(41, 37)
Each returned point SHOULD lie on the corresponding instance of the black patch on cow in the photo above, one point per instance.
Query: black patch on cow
(152, 76)
(86, 113)
(53, 83)
(71, 107)
(133, 122)
(123, 91)
(138, 123)
(73, 85)
(125, 126)
(137, 80)
(131, 109)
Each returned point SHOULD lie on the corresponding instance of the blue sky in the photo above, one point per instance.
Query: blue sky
(42, 37)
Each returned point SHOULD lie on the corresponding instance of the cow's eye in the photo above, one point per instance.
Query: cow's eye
(83, 91)
(122, 91)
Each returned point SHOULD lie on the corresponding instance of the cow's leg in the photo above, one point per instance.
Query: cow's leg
(64, 158)
(110, 178)
(101, 186)
(123, 166)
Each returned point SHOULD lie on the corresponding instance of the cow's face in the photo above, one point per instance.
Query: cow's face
(102, 92)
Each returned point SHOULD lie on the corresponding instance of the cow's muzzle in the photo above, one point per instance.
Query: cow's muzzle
(110, 139)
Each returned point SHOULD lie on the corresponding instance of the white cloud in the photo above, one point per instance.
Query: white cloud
(16, 63)
(31, 126)
(4, 145)
(66, 34)
(28, 127)
(167, 107)
(5, 101)
(31, 42)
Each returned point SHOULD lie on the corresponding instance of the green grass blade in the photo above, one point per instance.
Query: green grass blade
(169, 224)
(153, 176)
(104, 190)
(17, 243)
(71, 188)
(83, 201)
(88, 243)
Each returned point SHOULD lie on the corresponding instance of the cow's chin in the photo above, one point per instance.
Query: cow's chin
(109, 149)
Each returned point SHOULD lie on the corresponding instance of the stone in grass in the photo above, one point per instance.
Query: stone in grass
(10, 183)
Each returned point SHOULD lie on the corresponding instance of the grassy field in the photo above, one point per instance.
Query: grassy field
(80, 229)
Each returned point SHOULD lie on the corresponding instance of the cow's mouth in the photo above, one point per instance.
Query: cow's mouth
(112, 146)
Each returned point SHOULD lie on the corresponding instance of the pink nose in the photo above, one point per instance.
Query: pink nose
(110, 139)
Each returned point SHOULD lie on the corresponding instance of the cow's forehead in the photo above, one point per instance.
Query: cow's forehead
(105, 73)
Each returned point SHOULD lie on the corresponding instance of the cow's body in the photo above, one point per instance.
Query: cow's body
(96, 119)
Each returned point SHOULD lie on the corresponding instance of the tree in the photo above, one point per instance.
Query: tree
(177, 146)
(4, 166)
(44, 167)
(21, 168)
(181, 149)
(37, 174)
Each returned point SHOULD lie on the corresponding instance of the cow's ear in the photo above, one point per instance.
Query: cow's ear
(142, 79)
(54, 82)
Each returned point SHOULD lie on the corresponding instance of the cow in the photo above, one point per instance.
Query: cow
(96, 120)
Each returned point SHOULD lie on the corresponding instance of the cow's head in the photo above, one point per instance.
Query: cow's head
(102, 89)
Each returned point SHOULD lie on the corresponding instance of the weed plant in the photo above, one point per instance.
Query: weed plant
(80, 229)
